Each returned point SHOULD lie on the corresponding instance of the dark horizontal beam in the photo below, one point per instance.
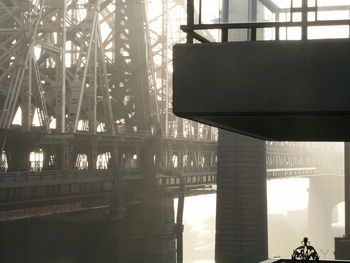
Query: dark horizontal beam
(320, 261)
(272, 90)
(188, 28)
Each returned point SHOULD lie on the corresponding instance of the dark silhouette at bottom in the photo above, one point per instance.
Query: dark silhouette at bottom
(305, 252)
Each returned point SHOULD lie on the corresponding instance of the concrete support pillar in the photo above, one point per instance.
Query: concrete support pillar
(347, 188)
(319, 223)
(53, 240)
(11, 242)
(147, 233)
(39, 241)
(241, 216)
(342, 244)
(325, 192)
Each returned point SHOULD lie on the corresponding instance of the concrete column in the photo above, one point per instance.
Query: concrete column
(241, 216)
(347, 187)
(147, 233)
(325, 192)
(342, 244)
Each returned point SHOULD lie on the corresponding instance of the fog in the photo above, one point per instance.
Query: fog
(288, 214)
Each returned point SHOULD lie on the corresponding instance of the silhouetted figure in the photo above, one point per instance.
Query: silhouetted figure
(305, 252)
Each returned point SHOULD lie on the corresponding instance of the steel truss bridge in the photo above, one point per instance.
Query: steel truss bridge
(25, 194)
(86, 110)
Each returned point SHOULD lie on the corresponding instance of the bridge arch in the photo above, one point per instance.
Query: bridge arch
(325, 193)
(338, 219)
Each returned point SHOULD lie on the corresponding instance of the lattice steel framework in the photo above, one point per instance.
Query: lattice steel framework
(92, 67)
(53, 62)
(81, 65)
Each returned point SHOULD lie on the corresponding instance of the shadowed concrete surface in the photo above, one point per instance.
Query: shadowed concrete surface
(294, 90)
(145, 235)
(241, 217)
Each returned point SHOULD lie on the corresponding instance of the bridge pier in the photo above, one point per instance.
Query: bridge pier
(325, 192)
(241, 216)
(342, 244)
(145, 234)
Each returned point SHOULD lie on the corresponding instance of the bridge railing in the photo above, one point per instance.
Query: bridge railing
(303, 172)
(49, 176)
(16, 187)
(224, 23)
(194, 177)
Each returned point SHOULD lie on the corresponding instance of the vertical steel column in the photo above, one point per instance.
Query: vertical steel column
(132, 80)
(117, 207)
(179, 218)
(225, 19)
(304, 20)
(30, 91)
(94, 117)
(347, 187)
(190, 20)
(200, 12)
(252, 17)
(165, 79)
(62, 121)
(82, 87)
(105, 88)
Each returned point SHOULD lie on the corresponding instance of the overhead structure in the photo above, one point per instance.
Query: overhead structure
(260, 84)
(90, 66)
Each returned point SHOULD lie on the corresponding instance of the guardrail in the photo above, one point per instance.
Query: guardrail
(49, 176)
(193, 177)
(302, 172)
(24, 190)
(31, 194)
(224, 27)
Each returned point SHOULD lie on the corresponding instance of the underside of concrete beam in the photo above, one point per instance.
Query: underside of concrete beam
(281, 90)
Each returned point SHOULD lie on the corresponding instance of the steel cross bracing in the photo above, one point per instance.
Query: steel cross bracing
(81, 64)
(89, 66)
(86, 104)
(48, 63)
(168, 16)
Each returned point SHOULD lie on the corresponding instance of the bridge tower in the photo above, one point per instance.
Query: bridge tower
(79, 71)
